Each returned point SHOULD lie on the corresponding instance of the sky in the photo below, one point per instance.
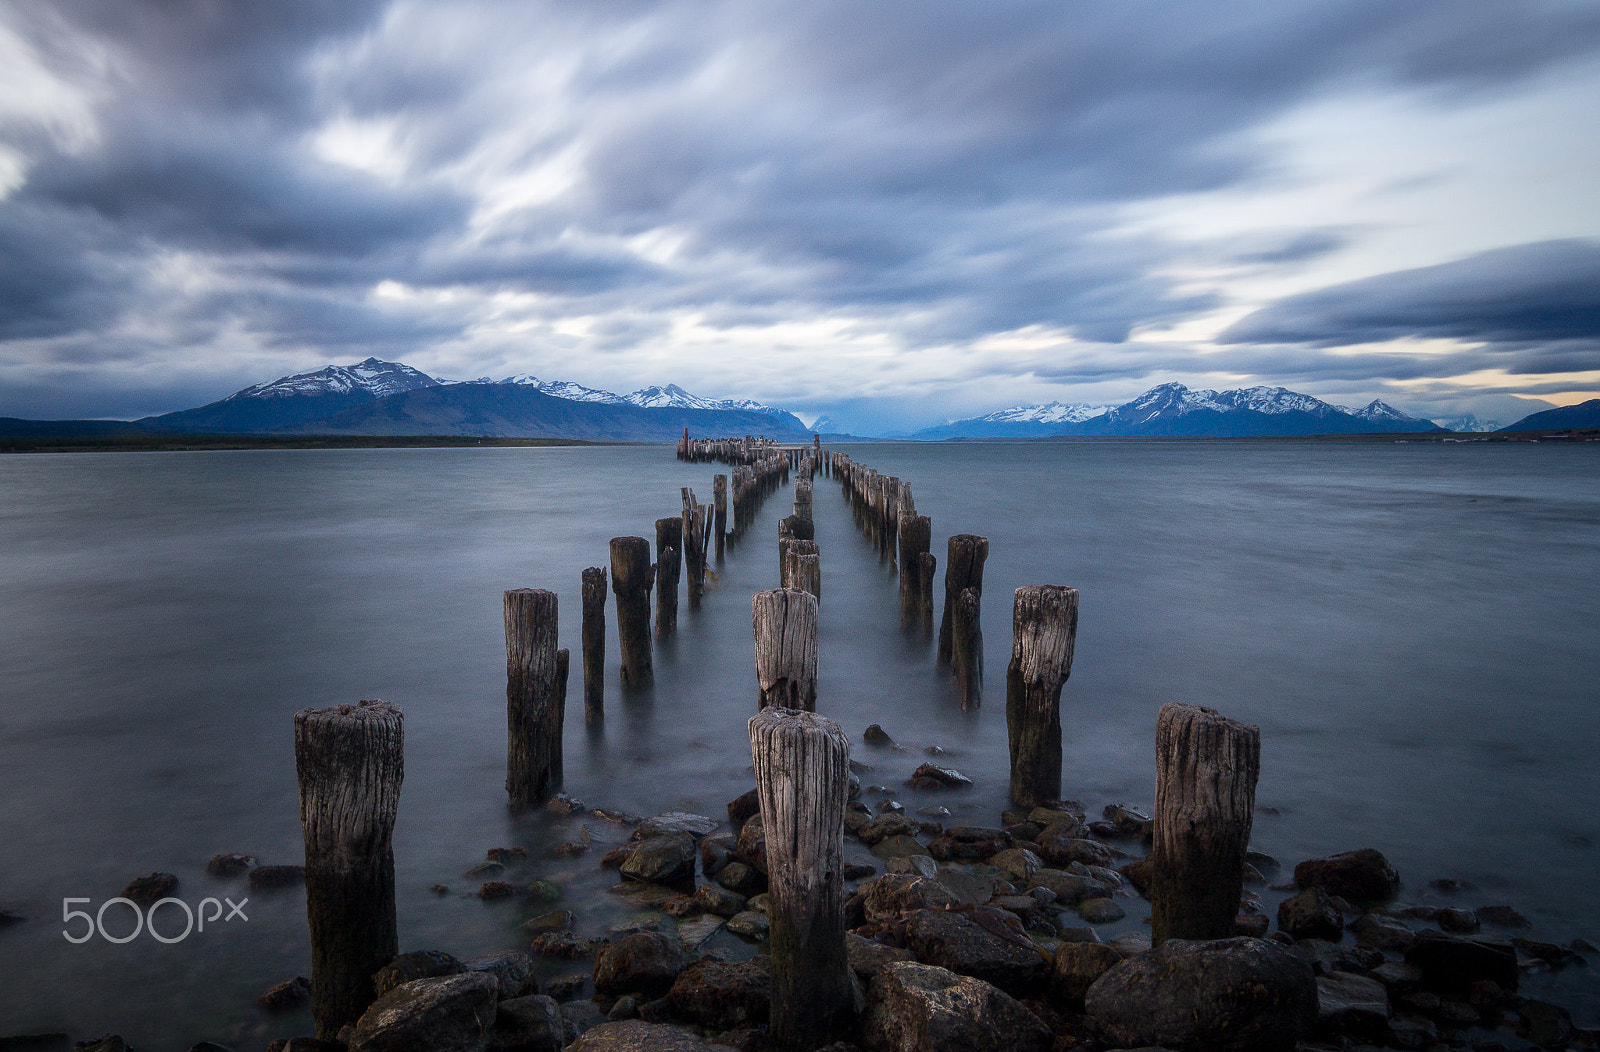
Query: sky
(895, 213)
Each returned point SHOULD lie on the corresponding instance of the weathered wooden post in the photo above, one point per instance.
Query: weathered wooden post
(632, 574)
(669, 551)
(805, 568)
(802, 499)
(963, 569)
(350, 761)
(1044, 630)
(594, 644)
(802, 763)
(694, 548)
(966, 650)
(785, 624)
(915, 538)
(1206, 770)
(927, 573)
(719, 500)
(534, 713)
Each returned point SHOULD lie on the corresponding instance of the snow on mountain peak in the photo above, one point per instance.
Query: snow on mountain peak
(378, 377)
(1049, 413)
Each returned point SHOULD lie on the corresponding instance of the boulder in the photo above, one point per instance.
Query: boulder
(147, 891)
(1545, 1024)
(750, 924)
(1310, 915)
(1458, 921)
(885, 826)
(1017, 863)
(895, 893)
(974, 889)
(1227, 995)
(969, 843)
(636, 1035)
(876, 735)
(742, 879)
(1076, 967)
(723, 996)
(752, 847)
(667, 859)
(231, 864)
(528, 1024)
(451, 1013)
(917, 865)
(1356, 875)
(1059, 847)
(982, 944)
(932, 776)
(1069, 888)
(1451, 964)
(1382, 931)
(868, 956)
(512, 971)
(104, 1043)
(1101, 910)
(291, 993)
(923, 1008)
(903, 846)
(644, 963)
(676, 822)
(1352, 1006)
(718, 900)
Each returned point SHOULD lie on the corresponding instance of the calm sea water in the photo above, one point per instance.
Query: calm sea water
(1413, 627)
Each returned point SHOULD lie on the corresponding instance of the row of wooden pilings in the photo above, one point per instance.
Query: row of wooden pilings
(349, 762)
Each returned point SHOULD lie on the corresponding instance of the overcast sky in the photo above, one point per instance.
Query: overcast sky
(906, 211)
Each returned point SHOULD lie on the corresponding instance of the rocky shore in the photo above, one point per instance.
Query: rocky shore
(962, 939)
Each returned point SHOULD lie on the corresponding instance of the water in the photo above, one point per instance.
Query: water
(1411, 626)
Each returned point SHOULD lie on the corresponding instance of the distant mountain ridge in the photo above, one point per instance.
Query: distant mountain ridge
(1584, 414)
(1171, 409)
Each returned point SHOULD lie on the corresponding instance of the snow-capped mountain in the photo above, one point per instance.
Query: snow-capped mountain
(299, 399)
(573, 392)
(674, 397)
(1049, 413)
(1468, 423)
(374, 376)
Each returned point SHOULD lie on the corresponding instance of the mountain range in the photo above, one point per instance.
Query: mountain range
(378, 398)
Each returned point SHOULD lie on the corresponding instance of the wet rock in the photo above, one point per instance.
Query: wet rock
(1458, 921)
(886, 807)
(636, 1035)
(1363, 875)
(750, 924)
(1398, 977)
(269, 878)
(924, 1008)
(563, 944)
(667, 859)
(1137, 873)
(579, 1017)
(563, 804)
(1228, 995)
(718, 900)
(1549, 953)
(677, 822)
(566, 987)
(1501, 917)
(917, 865)
(555, 920)
(974, 889)
(232, 864)
(198, 1046)
(723, 996)
(692, 933)
(1131, 944)
(1352, 1005)
(761, 903)
(1101, 910)
(752, 847)
(1255, 925)
(738, 877)
(859, 871)
(1546, 1025)
(742, 808)
(105, 1043)
(1452, 886)
(868, 956)
(876, 735)
(1069, 888)
(1451, 963)
(485, 870)
(1382, 931)
(932, 776)
(291, 993)
(1411, 1032)
(571, 848)
(969, 843)
(884, 827)
(715, 852)
(494, 890)
(528, 1024)
(420, 964)
(1125, 820)
(1328, 957)
(448, 1013)
(895, 893)
(512, 971)
(899, 847)
(1310, 915)
(1059, 847)
(960, 943)
(1075, 968)
(644, 963)
(147, 891)
(856, 815)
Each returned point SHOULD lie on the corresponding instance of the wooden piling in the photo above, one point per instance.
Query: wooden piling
(669, 552)
(719, 501)
(693, 524)
(1044, 629)
(1206, 771)
(594, 644)
(534, 710)
(800, 566)
(915, 537)
(966, 650)
(927, 567)
(802, 499)
(350, 761)
(963, 569)
(802, 764)
(784, 621)
(632, 575)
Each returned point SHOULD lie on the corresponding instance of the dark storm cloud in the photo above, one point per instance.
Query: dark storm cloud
(1538, 304)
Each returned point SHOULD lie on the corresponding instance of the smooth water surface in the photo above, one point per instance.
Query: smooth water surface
(1411, 626)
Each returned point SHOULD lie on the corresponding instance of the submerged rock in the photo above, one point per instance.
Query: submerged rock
(231, 864)
(147, 891)
(932, 776)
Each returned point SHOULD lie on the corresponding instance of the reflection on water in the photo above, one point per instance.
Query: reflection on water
(1410, 626)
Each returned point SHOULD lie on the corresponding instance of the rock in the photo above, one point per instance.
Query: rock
(750, 924)
(676, 822)
(1356, 875)
(528, 1024)
(859, 871)
(291, 993)
(1352, 1005)
(667, 859)
(582, 1016)
(969, 843)
(974, 889)
(899, 847)
(1328, 957)
(868, 956)
(856, 815)
(269, 878)
(692, 933)
(147, 891)
(1398, 977)
(625, 1007)
(738, 877)
(752, 846)
(972, 944)
(742, 808)
(1451, 963)
(1310, 915)
(932, 776)
(1546, 1025)
(1076, 966)
(645, 963)
(485, 870)
(636, 1035)
(1069, 888)
(555, 920)
(1411, 1032)
(1383, 932)
(1549, 953)
(544, 891)
(198, 1046)
(1458, 921)
(723, 996)
(493, 890)
(512, 971)
(895, 893)
(885, 807)
(885, 826)
(451, 1013)
(563, 944)
(563, 804)
(922, 1008)
(1228, 995)
(917, 865)
(1017, 863)
(719, 900)
(420, 964)
(1101, 910)
(716, 851)
(105, 1043)
(1255, 925)
(1125, 820)
(232, 864)
(876, 735)
(1501, 917)
(1059, 847)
